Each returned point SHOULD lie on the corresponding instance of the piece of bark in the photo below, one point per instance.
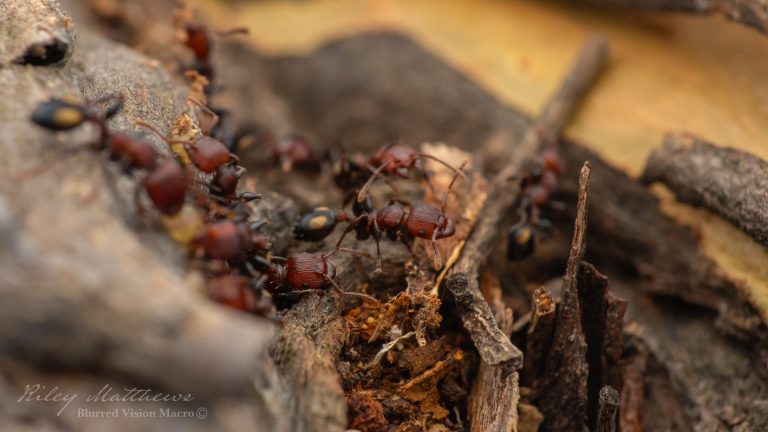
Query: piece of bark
(748, 12)
(729, 182)
(602, 319)
(306, 352)
(495, 392)
(539, 337)
(563, 398)
(607, 407)
(35, 32)
(632, 392)
(494, 347)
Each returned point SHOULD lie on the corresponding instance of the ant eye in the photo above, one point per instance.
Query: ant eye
(57, 115)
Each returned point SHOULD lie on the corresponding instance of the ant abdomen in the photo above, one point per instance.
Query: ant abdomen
(59, 115)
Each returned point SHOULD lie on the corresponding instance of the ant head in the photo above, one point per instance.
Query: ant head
(59, 115)
(521, 241)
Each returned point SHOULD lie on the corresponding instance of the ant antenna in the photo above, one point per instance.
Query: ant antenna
(455, 176)
(214, 117)
(364, 190)
(446, 164)
(230, 32)
(341, 292)
(158, 133)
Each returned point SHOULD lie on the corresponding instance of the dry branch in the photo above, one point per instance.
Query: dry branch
(494, 346)
(495, 392)
(748, 12)
(607, 407)
(564, 379)
(726, 181)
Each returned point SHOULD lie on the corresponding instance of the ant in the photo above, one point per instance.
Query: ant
(305, 272)
(205, 152)
(396, 160)
(197, 37)
(294, 150)
(399, 220)
(227, 240)
(165, 181)
(240, 293)
(537, 191)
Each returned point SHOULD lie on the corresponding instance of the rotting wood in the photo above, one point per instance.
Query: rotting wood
(564, 380)
(602, 319)
(729, 182)
(607, 407)
(539, 338)
(495, 347)
(306, 352)
(495, 393)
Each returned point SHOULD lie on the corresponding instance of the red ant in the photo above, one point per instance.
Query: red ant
(165, 181)
(398, 220)
(294, 150)
(227, 240)
(239, 292)
(537, 191)
(396, 160)
(198, 39)
(205, 152)
(303, 273)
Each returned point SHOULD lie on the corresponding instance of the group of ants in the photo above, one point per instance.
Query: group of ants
(242, 272)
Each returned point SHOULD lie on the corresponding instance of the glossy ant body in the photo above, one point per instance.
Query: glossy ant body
(537, 191)
(396, 160)
(304, 272)
(165, 181)
(206, 152)
(239, 292)
(398, 220)
(294, 150)
(228, 240)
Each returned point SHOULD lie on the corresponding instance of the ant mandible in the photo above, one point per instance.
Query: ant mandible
(396, 160)
(165, 181)
(537, 192)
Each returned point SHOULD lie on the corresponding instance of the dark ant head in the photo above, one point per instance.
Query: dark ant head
(360, 208)
(59, 115)
(316, 225)
(351, 172)
(521, 242)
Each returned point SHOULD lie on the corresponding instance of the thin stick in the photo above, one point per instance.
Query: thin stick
(607, 407)
(494, 346)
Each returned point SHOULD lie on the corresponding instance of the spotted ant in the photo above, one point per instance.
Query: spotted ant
(396, 160)
(305, 272)
(399, 220)
(165, 182)
(537, 191)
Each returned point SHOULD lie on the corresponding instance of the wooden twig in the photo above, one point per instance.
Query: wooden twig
(726, 181)
(495, 393)
(540, 331)
(494, 346)
(602, 319)
(748, 12)
(607, 407)
(565, 374)
(306, 352)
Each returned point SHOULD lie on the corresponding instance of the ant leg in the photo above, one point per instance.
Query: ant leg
(377, 238)
(369, 183)
(341, 292)
(450, 186)
(214, 117)
(352, 225)
(438, 258)
(409, 244)
(230, 32)
(546, 228)
(347, 250)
